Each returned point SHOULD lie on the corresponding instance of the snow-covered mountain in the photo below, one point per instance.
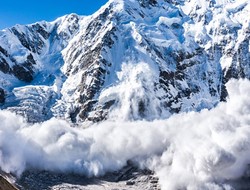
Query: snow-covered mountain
(132, 59)
(30, 65)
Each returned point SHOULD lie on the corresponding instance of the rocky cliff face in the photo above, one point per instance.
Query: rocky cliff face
(131, 59)
(30, 62)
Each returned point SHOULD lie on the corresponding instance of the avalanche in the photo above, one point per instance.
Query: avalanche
(164, 84)
(207, 149)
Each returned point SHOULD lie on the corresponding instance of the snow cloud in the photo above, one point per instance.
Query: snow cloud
(190, 150)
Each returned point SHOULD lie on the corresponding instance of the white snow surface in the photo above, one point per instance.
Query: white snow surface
(166, 27)
(131, 34)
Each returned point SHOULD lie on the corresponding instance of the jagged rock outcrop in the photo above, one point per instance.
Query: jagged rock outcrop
(5, 184)
(129, 177)
(2, 96)
(30, 62)
(131, 59)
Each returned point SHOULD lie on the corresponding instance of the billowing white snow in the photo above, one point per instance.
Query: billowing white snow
(204, 148)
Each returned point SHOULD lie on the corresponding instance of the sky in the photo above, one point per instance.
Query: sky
(29, 11)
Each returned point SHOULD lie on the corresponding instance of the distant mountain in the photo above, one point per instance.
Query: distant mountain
(132, 59)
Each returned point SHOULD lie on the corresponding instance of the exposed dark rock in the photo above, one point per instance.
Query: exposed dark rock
(22, 39)
(2, 96)
(4, 66)
(108, 104)
(86, 108)
(74, 23)
(146, 3)
(94, 65)
(73, 114)
(142, 108)
(167, 75)
(128, 177)
(33, 43)
(5, 185)
(38, 28)
(30, 60)
(22, 73)
(175, 2)
(224, 93)
(3, 51)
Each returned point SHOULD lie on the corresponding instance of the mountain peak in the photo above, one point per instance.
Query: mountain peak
(131, 60)
(142, 58)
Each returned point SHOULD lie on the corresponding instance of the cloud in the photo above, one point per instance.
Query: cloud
(189, 150)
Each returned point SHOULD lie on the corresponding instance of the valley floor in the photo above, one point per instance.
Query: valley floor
(129, 178)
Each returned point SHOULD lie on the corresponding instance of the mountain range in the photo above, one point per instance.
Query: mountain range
(149, 58)
(108, 96)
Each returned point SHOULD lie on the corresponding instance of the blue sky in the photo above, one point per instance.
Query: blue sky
(29, 11)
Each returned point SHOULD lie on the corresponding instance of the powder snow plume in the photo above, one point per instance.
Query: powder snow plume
(206, 149)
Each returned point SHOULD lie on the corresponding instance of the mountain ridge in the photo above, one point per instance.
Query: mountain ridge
(150, 59)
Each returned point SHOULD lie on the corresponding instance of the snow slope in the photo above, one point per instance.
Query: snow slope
(30, 66)
(181, 53)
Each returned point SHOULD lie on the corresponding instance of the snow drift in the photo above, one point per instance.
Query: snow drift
(205, 148)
